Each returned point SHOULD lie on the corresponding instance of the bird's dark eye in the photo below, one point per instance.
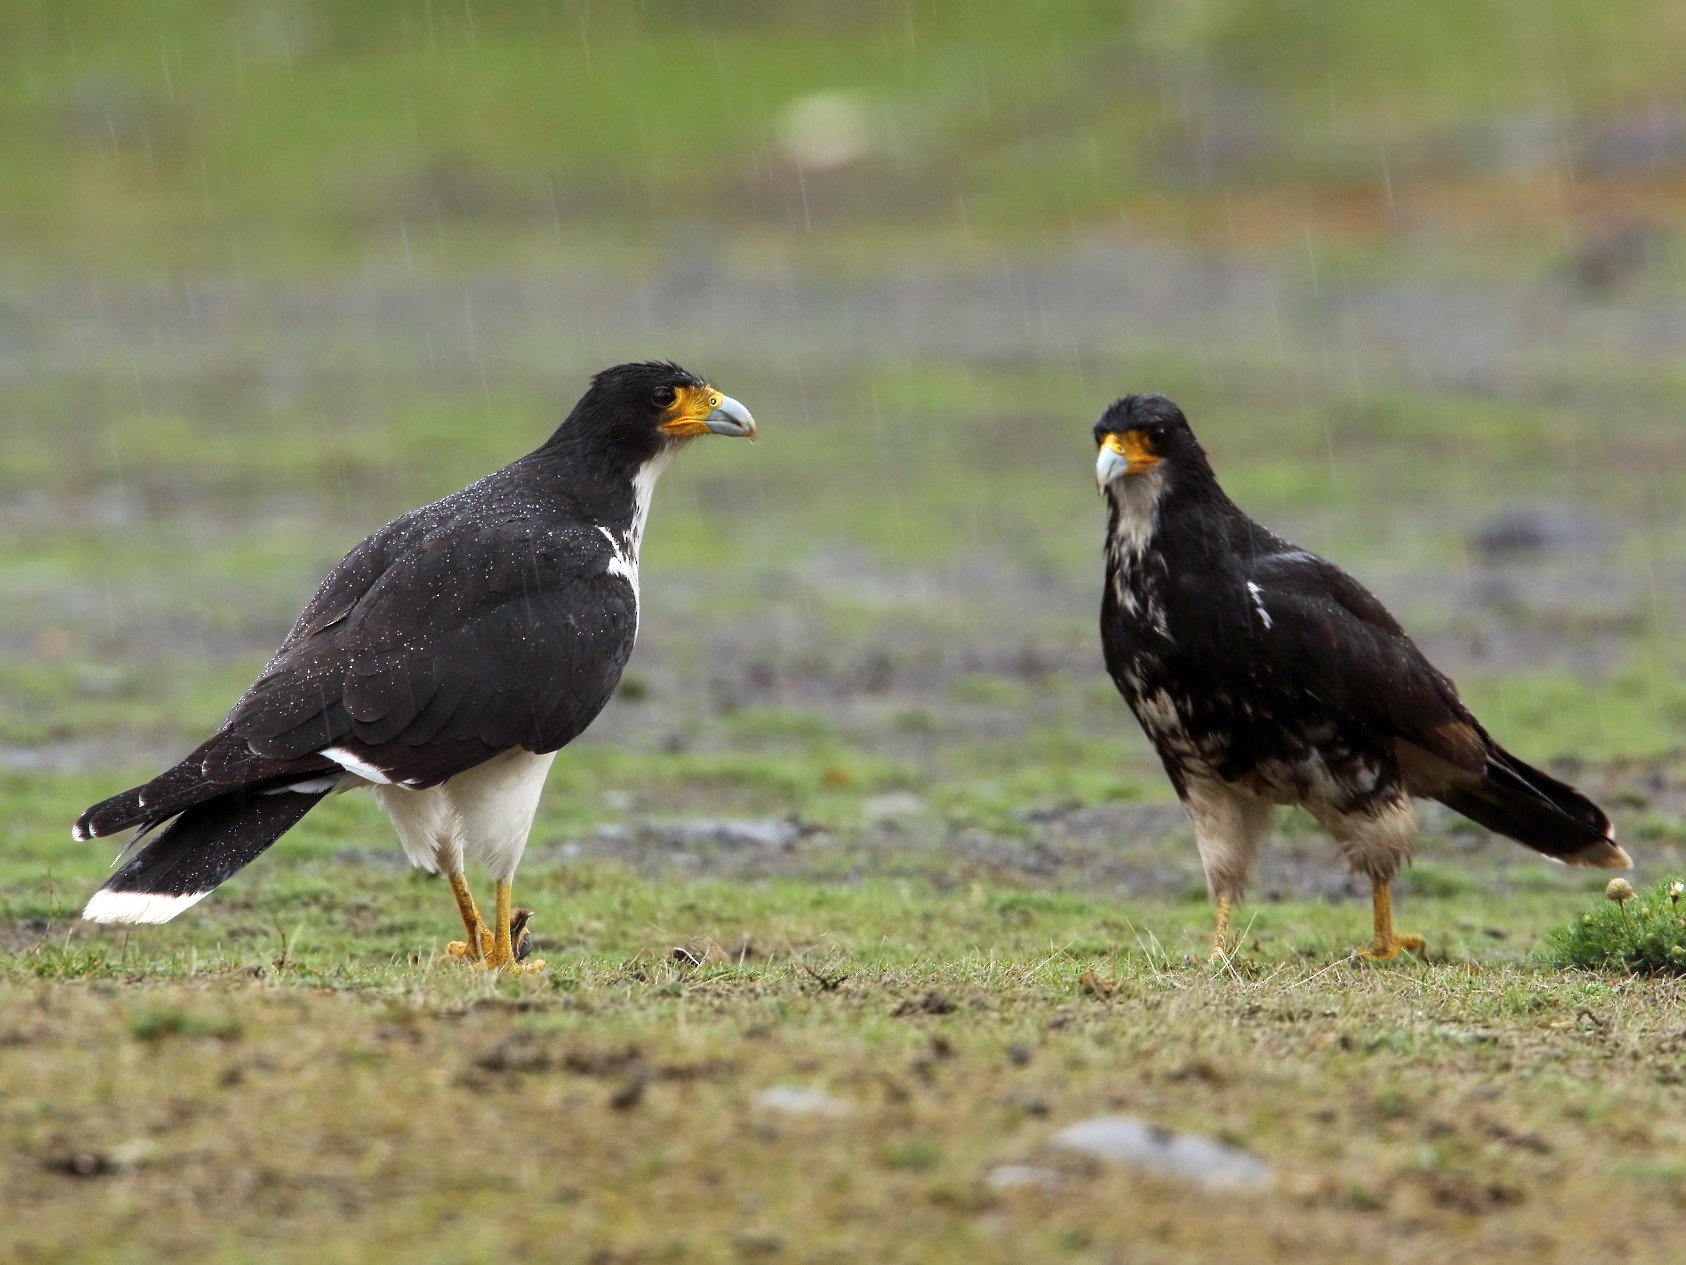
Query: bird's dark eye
(663, 397)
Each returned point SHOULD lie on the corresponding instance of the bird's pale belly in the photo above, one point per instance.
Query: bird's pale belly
(1294, 765)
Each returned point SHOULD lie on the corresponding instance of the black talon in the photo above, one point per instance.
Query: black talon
(520, 939)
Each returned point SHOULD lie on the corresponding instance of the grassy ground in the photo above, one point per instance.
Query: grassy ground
(271, 1083)
(277, 272)
(291, 1072)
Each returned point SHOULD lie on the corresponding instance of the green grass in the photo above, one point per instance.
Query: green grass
(610, 1104)
(229, 136)
(1642, 933)
(262, 260)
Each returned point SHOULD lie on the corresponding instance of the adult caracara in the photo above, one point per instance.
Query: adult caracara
(443, 662)
(1264, 675)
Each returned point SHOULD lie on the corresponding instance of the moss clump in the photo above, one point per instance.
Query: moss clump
(1643, 933)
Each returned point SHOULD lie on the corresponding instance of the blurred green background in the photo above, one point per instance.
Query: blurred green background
(274, 271)
(271, 273)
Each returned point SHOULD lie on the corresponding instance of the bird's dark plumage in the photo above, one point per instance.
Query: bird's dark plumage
(210, 841)
(1265, 675)
(488, 628)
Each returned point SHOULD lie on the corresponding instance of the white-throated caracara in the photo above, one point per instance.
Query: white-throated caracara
(442, 663)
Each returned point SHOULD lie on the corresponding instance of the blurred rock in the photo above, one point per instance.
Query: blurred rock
(1204, 1161)
(1513, 143)
(824, 130)
(1615, 253)
(1643, 141)
(1535, 529)
(1019, 1176)
(895, 806)
(795, 1100)
(772, 835)
(277, 32)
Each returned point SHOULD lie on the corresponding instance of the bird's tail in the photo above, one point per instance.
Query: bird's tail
(185, 860)
(1518, 801)
(198, 824)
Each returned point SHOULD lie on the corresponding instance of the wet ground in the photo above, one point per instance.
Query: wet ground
(905, 569)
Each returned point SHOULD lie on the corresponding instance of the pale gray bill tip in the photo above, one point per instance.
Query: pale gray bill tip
(1108, 466)
(730, 418)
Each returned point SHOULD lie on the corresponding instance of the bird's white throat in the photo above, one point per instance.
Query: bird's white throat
(643, 489)
(1136, 498)
(625, 561)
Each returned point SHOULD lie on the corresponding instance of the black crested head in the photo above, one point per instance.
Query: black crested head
(633, 414)
(634, 381)
(1143, 410)
(1147, 436)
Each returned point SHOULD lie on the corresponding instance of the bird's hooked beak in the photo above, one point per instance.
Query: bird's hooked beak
(731, 418)
(1121, 455)
(705, 411)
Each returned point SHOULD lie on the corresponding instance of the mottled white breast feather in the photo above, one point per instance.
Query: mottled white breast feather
(1137, 497)
(622, 564)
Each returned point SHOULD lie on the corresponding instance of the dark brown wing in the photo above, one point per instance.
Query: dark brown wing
(422, 660)
(1325, 635)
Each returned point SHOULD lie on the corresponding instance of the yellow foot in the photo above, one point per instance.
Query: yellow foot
(520, 940)
(1392, 949)
(457, 951)
(502, 950)
(462, 949)
(513, 964)
(534, 967)
(521, 944)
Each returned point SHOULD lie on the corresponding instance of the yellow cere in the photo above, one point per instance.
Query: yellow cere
(687, 415)
(1132, 445)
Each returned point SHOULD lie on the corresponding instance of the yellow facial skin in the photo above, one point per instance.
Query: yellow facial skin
(1121, 455)
(1132, 445)
(687, 416)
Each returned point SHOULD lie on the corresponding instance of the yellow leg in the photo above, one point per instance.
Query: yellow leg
(1220, 941)
(1387, 944)
(479, 943)
(502, 956)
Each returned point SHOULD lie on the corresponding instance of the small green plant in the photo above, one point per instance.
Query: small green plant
(1639, 932)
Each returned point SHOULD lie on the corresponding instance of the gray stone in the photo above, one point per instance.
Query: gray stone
(796, 1100)
(1021, 1176)
(772, 834)
(894, 806)
(1126, 1140)
(1535, 529)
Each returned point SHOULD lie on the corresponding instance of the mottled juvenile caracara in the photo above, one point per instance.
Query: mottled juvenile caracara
(1264, 675)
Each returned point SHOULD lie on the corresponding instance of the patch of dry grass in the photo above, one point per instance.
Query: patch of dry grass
(607, 1112)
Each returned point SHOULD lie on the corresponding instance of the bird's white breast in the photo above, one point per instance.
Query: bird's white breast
(482, 814)
(1137, 497)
